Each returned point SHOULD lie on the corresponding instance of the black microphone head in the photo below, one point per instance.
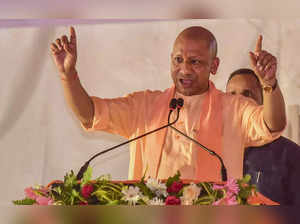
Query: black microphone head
(180, 102)
(173, 104)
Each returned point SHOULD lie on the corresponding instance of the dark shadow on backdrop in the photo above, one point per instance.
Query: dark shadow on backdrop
(30, 78)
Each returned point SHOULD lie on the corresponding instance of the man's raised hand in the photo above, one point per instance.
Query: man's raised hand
(64, 54)
(264, 64)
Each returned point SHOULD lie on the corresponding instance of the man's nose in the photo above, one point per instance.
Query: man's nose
(186, 68)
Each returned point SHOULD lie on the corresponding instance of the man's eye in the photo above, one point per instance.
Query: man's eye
(232, 93)
(195, 62)
(247, 93)
(178, 59)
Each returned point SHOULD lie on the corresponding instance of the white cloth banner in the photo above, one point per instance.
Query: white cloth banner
(40, 138)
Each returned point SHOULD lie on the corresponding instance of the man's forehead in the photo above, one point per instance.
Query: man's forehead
(198, 46)
(188, 41)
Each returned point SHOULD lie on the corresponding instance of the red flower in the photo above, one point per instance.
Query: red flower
(87, 190)
(175, 187)
(172, 200)
(83, 203)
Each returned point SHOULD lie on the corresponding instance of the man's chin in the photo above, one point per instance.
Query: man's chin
(185, 92)
(189, 92)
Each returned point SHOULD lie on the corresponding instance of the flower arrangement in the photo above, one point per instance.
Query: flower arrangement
(103, 191)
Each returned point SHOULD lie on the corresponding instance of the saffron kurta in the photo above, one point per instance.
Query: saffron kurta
(224, 123)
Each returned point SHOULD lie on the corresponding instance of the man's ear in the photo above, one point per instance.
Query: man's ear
(215, 65)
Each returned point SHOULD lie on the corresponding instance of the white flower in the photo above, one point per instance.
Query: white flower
(157, 187)
(131, 194)
(190, 194)
(156, 201)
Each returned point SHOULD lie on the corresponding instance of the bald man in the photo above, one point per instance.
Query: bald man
(219, 121)
(274, 167)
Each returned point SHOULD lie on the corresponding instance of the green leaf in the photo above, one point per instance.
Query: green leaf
(26, 201)
(115, 202)
(104, 177)
(208, 189)
(72, 200)
(245, 193)
(205, 198)
(102, 195)
(170, 180)
(75, 193)
(144, 176)
(113, 189)
(247, 178)
(70, 180)
(87, 176)
(99, 192)
(59, 190)
(204, 202)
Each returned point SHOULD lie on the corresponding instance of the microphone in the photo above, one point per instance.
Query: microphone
(180, 102)
(172, 106)
(223, 168)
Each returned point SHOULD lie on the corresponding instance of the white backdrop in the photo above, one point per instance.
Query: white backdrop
(41, 140)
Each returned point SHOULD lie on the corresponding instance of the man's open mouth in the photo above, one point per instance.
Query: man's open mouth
(186, 83)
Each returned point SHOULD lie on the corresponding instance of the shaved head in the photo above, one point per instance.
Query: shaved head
(199, 33)
(193, 60)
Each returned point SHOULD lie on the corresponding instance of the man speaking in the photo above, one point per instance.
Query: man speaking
(220, 121)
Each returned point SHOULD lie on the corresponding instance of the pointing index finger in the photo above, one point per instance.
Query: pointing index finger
(72, 35)
(259, 44)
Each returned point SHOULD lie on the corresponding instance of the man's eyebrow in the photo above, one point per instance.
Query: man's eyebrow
(176, 55)
(196, 56)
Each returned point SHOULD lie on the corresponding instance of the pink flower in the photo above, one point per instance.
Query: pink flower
(232, 201)
(175, 187)
(41, 200)
(87, 190)
(29, 192)
(172, 200)
(43, 190)
(228, 200)
(218, 187)
(231, 187)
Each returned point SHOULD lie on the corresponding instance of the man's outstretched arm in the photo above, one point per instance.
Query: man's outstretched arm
(64, 54)
(265, 66)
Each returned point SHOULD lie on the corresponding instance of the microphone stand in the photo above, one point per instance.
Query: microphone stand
(85, 166)
(223, 168)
